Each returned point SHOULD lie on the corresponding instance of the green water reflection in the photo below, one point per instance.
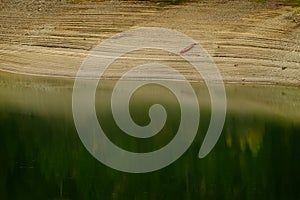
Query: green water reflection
(42, 157)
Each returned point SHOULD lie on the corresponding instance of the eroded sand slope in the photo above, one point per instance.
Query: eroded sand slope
(249, 42)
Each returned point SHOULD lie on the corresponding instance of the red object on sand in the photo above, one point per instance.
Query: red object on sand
(187, 48)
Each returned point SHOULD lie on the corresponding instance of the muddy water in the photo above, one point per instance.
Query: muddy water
(42, 157)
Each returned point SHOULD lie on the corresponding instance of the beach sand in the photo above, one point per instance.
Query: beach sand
(250, 42)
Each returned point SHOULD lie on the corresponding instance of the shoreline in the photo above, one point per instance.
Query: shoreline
(72, 79)
(55, 94)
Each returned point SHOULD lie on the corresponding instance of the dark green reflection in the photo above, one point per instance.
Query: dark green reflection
(42, 157)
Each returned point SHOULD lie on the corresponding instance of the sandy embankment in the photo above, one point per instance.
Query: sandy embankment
(249, 42)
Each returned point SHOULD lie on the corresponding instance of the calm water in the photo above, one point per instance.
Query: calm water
(42, 157)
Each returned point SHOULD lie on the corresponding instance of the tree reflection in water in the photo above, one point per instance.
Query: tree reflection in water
(42, 157)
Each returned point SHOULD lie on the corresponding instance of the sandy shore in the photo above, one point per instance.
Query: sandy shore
(248, 41)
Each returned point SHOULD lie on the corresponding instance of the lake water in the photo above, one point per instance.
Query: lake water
(42, 156)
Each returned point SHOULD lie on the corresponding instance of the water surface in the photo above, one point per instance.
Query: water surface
(42, 157)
